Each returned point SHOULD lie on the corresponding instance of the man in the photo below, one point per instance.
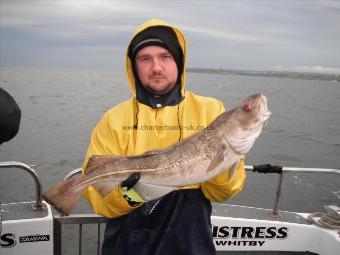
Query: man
(10, 115)
(178, 223)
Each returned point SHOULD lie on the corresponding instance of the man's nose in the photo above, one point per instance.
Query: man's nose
(157, 65)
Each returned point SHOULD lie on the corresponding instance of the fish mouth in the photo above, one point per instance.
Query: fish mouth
(264, 109)
(266, 116)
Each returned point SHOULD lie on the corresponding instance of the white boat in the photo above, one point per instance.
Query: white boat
(29, 228)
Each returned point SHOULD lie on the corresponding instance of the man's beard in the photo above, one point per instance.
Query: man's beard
(168, 87)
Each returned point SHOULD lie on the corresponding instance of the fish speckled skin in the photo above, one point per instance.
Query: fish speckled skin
(194, 160)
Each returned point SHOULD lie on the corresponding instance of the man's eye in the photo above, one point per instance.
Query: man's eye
(167, 56)
(144, 59)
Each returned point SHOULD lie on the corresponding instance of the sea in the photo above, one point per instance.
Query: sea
(61, 106)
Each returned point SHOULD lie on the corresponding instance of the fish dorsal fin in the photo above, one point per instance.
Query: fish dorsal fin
(146, 154)
(161, 151)
(96, 161)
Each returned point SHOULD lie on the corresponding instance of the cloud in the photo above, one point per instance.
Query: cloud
(250, 34)
(223, 35)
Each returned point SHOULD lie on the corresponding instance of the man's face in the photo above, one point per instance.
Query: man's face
(156, 69)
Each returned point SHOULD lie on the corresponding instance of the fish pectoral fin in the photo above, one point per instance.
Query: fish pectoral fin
(96, 161)
(150, 192)
(218, 159)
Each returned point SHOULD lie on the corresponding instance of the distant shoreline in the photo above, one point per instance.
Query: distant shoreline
(277, 74)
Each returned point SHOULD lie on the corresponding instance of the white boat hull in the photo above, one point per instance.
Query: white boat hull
(234, 228)
(261, 232)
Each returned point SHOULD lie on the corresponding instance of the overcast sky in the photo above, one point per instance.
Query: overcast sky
(273, 35)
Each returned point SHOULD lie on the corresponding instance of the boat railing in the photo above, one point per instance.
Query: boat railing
(38, 187)
(80, 220)
(268, 168)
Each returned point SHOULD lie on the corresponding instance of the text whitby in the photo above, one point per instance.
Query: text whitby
(246, 236)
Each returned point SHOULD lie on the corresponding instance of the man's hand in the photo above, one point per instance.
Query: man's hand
(126, 188)
(131, 181)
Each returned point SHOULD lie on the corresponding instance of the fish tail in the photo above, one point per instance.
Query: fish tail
(60, 196)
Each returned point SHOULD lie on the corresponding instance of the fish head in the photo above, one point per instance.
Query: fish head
(246, 122)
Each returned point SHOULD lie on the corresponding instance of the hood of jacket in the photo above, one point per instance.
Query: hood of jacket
(181, 39)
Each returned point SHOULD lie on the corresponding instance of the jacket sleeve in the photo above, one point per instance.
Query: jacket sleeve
(104, 141)
(221, 187)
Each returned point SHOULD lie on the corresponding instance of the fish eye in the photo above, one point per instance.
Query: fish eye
(246, 107)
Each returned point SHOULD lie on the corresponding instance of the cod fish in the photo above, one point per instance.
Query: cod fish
(193, 160)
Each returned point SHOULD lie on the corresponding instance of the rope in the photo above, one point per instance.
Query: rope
(325, 220)
(179, 124)
(137, 111)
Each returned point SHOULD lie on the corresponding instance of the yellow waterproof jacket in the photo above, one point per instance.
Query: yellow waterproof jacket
(157, 128)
